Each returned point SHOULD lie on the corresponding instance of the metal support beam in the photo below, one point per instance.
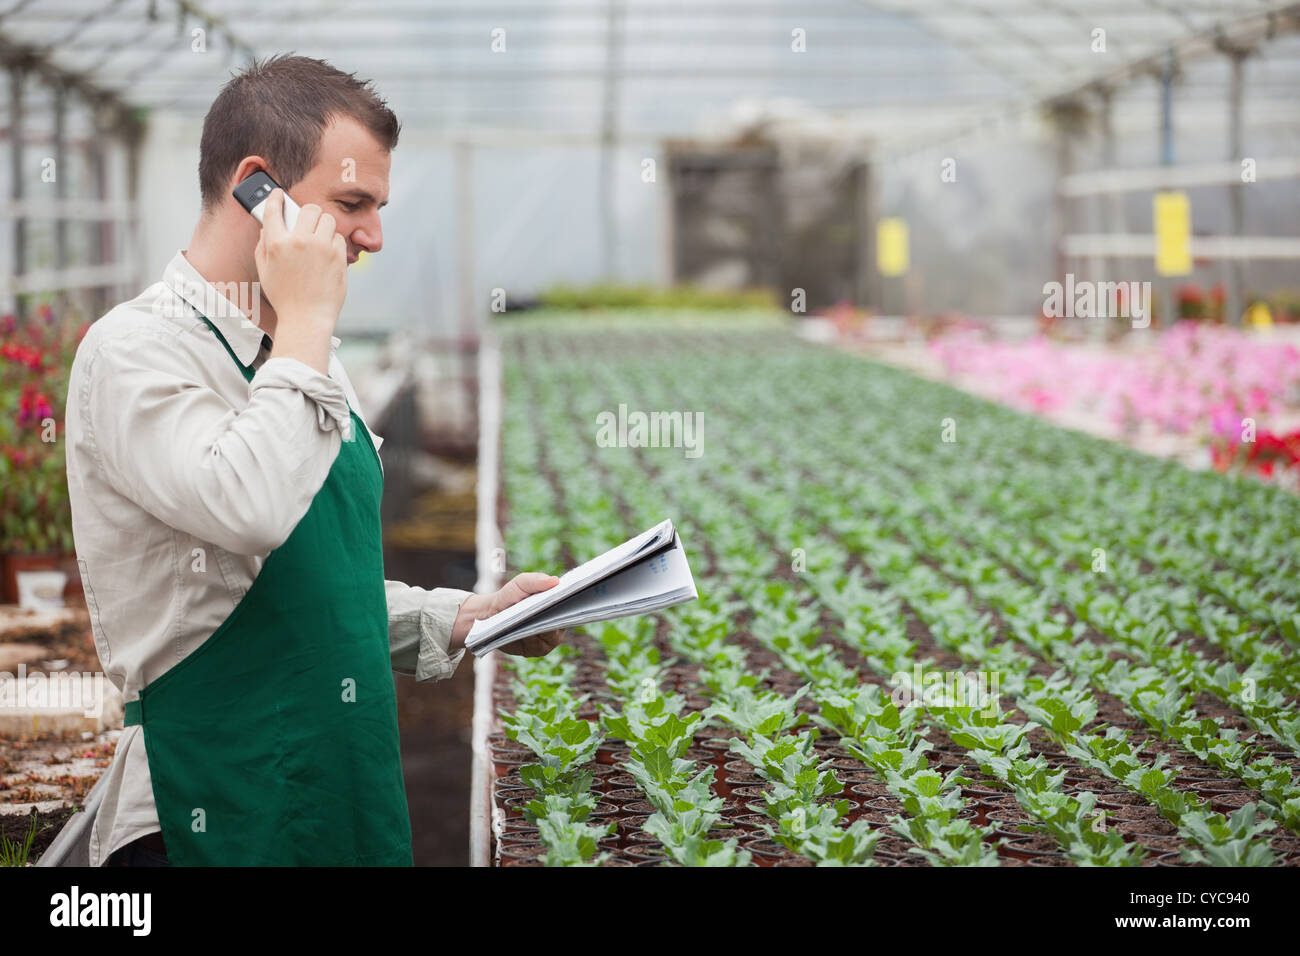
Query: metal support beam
(61, 173)
(870, 251)
(1167, 74)
(89, 278)
(1112, 205)
(1164, 286)
(1143, 246)
(101, 244)
(1201, 43)
(1068, 119)
(17, 79)
(16, 55)
(1147, 178)
(134, 137)
(1236, 285)
(606, 212)
(863, 267)
(466, 281)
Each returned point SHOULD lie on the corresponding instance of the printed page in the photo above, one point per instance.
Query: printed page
(572, 582)
(650, 585)
(643, 582)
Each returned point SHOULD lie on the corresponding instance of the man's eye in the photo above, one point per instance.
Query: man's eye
(349, 206)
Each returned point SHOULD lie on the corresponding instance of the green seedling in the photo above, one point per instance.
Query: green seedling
(15, 853)
(563, 745)
(865, 712)
(758, 712)
(570, 843)
(1226, 841)
(947, 842)
(649, 725)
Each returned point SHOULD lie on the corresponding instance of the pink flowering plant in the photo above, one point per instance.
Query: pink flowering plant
(35, 359)
(1200, 380)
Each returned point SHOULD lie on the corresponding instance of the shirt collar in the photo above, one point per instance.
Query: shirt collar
(220, 308)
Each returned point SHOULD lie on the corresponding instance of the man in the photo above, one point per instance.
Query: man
(225, 504)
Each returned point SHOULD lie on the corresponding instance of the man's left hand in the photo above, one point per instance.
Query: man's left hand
(479, 606)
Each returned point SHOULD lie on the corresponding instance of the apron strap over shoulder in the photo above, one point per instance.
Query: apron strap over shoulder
(245, 370)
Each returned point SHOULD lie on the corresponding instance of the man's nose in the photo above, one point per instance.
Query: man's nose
(369, 236)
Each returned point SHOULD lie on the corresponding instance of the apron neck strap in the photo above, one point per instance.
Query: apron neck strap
(246, 369)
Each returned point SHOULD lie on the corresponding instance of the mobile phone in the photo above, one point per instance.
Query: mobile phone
(252, 193)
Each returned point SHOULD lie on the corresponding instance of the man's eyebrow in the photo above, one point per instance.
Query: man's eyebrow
(357, 193)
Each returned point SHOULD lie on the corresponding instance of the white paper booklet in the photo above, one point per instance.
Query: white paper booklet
(646, 573)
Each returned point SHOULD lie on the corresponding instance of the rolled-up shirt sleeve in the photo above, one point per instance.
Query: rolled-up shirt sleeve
(419, 629)
(239, 478)
(331, 403)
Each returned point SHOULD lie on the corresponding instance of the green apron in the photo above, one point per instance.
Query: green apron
(275, 743)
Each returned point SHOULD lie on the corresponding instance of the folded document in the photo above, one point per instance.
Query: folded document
(646, 573)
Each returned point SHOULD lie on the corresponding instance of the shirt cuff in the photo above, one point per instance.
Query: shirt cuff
(332, 409)
(437, 615)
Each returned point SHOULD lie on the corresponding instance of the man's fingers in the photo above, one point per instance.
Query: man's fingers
(273, 213)
(533, 581)
(325, 225)
(307, 219)
(539, 645)
(522, 585)
(536, 645)
(518, 588)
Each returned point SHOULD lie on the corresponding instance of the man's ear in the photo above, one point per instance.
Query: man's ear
(247, 166)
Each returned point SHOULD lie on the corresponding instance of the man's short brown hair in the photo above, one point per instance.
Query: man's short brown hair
(278, 108)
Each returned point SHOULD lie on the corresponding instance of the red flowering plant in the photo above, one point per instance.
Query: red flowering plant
(850, 321)
(1270, 455)
(1195, 303)
(35, 360)
(1191, 302)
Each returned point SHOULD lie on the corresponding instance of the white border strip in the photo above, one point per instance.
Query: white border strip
(482, 815)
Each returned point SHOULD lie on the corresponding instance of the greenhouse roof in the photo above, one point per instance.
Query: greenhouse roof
(670, 67)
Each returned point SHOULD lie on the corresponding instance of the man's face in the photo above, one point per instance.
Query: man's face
(350, 182)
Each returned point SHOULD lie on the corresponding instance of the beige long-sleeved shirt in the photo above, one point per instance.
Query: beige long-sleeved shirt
(183, 477)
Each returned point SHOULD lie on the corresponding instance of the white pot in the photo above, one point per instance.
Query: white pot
(41, 589)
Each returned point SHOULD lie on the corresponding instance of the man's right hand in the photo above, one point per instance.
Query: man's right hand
(303, 273)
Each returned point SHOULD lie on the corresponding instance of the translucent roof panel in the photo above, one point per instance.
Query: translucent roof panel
(665, 67)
